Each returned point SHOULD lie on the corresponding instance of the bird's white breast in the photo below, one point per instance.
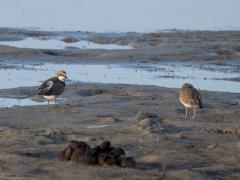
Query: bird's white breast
(186, 105)
(50, 97)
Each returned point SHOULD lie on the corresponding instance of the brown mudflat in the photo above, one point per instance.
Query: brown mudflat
(150, 127)
(146, 121)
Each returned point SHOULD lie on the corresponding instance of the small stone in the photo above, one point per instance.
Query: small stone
(212, 146)
(68, 152)
(234, 102)
(127, 162)
(62, 156)
(69, 39)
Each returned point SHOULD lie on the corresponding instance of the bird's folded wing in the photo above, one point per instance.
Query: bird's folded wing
(195, 96)
(45, 87)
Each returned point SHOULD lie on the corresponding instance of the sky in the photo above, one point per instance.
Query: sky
(121, 15)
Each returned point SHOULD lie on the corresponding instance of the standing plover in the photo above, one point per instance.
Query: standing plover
(53, 87)
(190, 98)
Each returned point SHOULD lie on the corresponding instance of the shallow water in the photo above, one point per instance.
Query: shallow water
(100, 126)
(11, 102)
(201, 75)
(36, 43)
(15, 102)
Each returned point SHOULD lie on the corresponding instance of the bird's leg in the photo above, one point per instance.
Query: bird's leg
(186, 112)
(194, 113)
(47, 105)
(55, 101)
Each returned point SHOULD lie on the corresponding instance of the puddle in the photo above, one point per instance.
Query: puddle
(15, 102)
(201, 75)
(36, 43)
(12, 102)
(100, 126)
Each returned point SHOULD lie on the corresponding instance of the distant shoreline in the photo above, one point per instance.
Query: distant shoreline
(173, 30)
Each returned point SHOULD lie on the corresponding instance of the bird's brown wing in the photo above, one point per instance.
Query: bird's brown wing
(46, 86)
(195, 97)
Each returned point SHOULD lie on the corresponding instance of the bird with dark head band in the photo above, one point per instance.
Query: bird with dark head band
(53, 87)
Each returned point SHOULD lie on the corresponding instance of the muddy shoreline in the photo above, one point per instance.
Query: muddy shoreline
(162, 142)
(205, 147)
(149, 47)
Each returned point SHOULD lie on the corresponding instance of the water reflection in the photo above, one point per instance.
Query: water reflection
(36, 43)
(15, 102)
(11, 102)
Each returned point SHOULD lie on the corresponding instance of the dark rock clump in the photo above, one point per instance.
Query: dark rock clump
(103, 155)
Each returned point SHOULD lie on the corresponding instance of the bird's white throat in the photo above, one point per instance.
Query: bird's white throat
(61, 78)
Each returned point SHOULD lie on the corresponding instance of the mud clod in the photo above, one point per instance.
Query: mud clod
(148, 123)
(127, 162)
(103, 154)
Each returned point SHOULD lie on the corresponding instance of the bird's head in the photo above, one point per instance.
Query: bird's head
(61, 75)
(187, 85)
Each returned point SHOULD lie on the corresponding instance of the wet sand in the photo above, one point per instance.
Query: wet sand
(32, 137)
(146, 121)
(219, 46)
